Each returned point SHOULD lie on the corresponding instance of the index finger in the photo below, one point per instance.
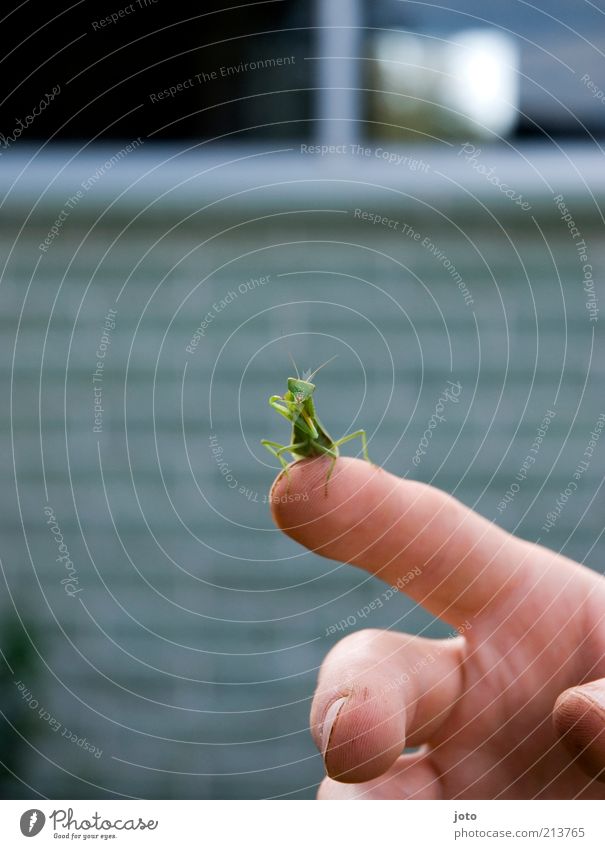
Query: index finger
(461, 563)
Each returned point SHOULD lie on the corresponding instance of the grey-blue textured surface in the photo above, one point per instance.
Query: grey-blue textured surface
(190, 653)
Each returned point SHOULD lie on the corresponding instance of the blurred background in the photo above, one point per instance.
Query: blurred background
(189, 199)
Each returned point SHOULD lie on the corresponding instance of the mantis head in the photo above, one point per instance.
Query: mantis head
(300, 389)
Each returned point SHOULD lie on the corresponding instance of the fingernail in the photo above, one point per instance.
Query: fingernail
(328, 724)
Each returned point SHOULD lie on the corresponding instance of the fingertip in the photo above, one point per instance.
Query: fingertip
(364, 740)
(579, 720)
(358, 724)
(293, 489)
(314, 509)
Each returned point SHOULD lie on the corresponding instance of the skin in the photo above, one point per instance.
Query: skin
(513, 707)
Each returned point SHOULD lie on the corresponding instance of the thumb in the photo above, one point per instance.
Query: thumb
(579, 719)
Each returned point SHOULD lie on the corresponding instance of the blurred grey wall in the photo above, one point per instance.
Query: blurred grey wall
(180, 634)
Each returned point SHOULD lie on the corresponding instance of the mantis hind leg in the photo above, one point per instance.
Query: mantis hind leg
(361, 434)
(333, 451)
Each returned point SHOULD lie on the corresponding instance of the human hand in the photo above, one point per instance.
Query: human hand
(511, 709)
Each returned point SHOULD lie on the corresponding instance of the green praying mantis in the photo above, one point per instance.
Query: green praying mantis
(309, 437)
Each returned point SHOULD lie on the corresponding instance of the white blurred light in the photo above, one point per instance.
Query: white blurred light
(473, 73)
(483, 79)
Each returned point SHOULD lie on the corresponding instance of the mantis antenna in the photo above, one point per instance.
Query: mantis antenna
(313, 373)
(294, 364)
